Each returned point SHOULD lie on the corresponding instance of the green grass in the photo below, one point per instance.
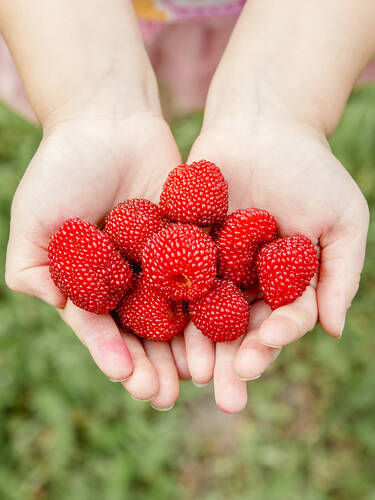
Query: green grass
(66, 432)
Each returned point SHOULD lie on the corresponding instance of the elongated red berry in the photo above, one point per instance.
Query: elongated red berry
(87, 268)
(130, 224)
(180, 261)
(285, 268)
(238, 243)
(150, 315)
(222, 314)
(196, 193)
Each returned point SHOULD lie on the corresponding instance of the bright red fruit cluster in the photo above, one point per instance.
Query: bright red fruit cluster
(159, 266)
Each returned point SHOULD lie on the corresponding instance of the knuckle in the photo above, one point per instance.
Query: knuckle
(311, 323)
(363, 211)
(354, 288)
(11, 281)
(16, 202)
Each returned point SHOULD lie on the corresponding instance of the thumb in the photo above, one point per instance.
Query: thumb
(342, 259)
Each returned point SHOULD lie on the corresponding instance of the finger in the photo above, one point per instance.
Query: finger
(27, 270)
(100, 334)
(340, 270)
(230, 392)
(252, 357)
(160, 355)
(143, 383)
(200, 352)
(288, 323)
(180, 357)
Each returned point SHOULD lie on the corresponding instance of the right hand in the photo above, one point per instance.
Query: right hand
(83, 167)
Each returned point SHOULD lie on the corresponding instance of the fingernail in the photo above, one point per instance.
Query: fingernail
(162, 409)
(341, 329)
(264, 340)
(139, 399)
(200, 385)
(342, 326)
(248, 379)
(271, 345)
(120, 380)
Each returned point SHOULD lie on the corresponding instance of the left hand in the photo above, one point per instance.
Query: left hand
(287, 168)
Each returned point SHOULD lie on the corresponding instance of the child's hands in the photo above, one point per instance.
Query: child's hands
(82, 168)
(286, 168)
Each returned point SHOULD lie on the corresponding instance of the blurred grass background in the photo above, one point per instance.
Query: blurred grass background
(66, 432)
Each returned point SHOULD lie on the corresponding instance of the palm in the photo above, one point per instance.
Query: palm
(291, 173)
(79, 171)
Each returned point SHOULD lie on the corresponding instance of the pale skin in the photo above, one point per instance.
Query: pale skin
(277, 95)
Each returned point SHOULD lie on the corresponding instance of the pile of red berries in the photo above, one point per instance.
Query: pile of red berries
(159, 266)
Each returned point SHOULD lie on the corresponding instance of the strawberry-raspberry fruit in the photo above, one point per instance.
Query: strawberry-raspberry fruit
(150, 315)
(222, 314)
(238, 242)
(130, 224)
(87, 268)
(180, 261)
(285, 268)
(195, 193)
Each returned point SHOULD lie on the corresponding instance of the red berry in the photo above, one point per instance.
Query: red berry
(150, 315)
(238, 242)
(196, 193)
(222, 314)
(285, 268)
(180, 261)
(87, 268)
(130, 224)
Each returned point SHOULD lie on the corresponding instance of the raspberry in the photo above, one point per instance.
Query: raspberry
(285, 268)
(196, 193)
(87, 268)
(150, 315)
(223, 314)
(180, 261)
(130, 224)
(238, 242)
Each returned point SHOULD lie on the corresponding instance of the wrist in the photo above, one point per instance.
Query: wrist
(71, 64)
(113, 100)
(262, 105)
(264, 91)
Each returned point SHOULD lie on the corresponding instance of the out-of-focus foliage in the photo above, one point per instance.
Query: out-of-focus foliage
(66, 432)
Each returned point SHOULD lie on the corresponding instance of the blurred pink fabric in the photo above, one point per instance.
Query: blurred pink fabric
(184, 56)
